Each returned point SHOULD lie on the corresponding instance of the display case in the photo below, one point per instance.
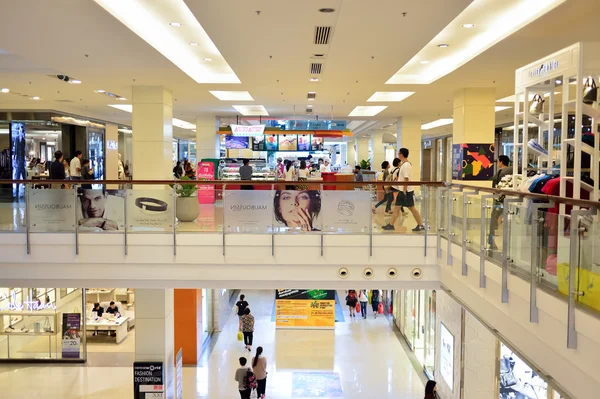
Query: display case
(229, 169)
(28, 333)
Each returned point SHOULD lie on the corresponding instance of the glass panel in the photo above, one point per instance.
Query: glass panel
(430, 333)
(409, 311)
(200, 209)
(150, 210)
(52, 210)
(346, 212)
(432, 193)
(100, 210)
(251, 211)
(551, 245)
(474, 224)
(12, 210)
(494, 228)
(520, 238)
(589, 264)
(457, 216)
(443, 210)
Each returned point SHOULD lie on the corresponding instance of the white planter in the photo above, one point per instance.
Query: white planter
(188, 209)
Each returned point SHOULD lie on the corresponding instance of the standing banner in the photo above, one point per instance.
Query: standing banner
(51, 211)
(148, 380)
(150, 210)
(71, 333)
(206, 192)
(101, 210)
(248, 211)
(346, 211)
(306, 309)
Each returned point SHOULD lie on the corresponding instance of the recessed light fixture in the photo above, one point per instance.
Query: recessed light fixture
(232, 95)
(468, 26)
(314, 79)
(558, 81)
(390, 96)
(368, 110)
(183, 124)
(5, 90)
(207, 59)
(121, 98)
(194, 44)
(251, 110)
(75, 81)
(443, 45)
(309, 106)
(424, 62)
(122, 107)
(100, 91)
(175, 24)
(438, 123)
(35, 98)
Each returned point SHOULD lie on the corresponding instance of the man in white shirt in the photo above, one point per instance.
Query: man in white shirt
(325, 167)
(75, 166)
(406, 194)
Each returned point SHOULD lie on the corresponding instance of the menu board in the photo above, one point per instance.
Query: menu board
(271, 142)
(288, 142)
(316, 143)
(258, 143)
(304, 142)
(237, 143)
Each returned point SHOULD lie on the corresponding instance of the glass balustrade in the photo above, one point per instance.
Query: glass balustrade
(520, 238)
(457, 217)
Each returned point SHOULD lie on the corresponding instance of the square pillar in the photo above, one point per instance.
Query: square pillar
(362, 149)
(207, 139)
(408, 135)
(378, 149)
(351, 153)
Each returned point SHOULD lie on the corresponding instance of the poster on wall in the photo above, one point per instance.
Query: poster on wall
(517, 379)
(248, 211)
(346, 211)
(447, 356)
(316, 143)
(101, 210)
(304, 142)
(477, 162)
(71, 335)
(456, 161)
(150, 210)
(206, 192)
(297, 210)
(51, 211)
(271, 142)
(288, 142)
(298, 308)
(18, 150)
(258, 143)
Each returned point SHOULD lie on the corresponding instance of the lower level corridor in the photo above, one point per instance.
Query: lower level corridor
(361, 358)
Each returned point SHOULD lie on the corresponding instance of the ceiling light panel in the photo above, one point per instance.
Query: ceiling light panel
(251, 110)
(368, 110)
(390, 96)
(438, 123)
(232, 95)
(495, 20)
(150, 20)
(183, 124)
(122, 107)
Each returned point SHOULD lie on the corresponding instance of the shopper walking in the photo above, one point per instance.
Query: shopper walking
(241, 305)
(431, 390)
(241, 376)
(247, 328)
(351, 302)
(259, 367)
(75, 166)
(388, 195)
(363, 298)
(375, 299)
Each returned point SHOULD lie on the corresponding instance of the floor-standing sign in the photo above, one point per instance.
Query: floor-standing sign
(71, 330)
(179, 375)
(148, 380)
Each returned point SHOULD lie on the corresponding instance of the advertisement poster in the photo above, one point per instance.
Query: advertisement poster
(517, 379)
(51, 211)
(150, 210)
(148, 378)
(346, 211)
(101, 210)
(297, 210)
(316, 143)
(71, 338)
(206, 192)
(477, 162)
(456, 161)
(316, 385)
(271, 142)
(288, 142)
(304, 142)
(19, 150)
(237, 143)
(248, 211)
(447, 356)
(258, 143)
(305, 308)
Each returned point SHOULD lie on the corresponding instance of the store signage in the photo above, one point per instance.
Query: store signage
(248, 211)
(206, 192)
(544, 69)
(27, 304)
(247, 131)
(71, 333)
(148, 377)
(447, 356)
(112, 145)
(304, 308)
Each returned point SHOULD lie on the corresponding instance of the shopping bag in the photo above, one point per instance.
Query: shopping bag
(358, 307)
(380, 308)
(240, 336)
(370, 297)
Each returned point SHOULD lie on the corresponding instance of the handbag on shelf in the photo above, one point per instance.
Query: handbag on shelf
(537, 105)
(590, 91)
(47, 325)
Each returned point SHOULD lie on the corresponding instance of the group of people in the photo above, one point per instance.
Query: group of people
(77, 169)
(363, 297)
(254, 377)
(184, 168)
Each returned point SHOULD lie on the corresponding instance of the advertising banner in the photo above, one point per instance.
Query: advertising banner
(447, 356)
(305, 309)
(346, 211)
(148, 378)
(271, 142)
(288, 142)
(517, 379)
(247, 131)
(316, 143)
(297, 210)
(304, 142)
(150, 210)
(179, 375)
(51, 211)
(456, 161)
(237, 143)
(206, 192)
(71, 333)
(100, 210)
(248, 211)
(18, 150)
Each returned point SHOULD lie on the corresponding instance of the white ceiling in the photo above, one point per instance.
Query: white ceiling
(269, 52)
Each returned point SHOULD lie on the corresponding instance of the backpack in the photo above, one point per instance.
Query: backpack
(250, 380)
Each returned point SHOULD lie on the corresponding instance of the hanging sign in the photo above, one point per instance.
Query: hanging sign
(247, 131)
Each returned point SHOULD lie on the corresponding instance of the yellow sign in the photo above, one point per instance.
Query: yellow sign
(304, 313)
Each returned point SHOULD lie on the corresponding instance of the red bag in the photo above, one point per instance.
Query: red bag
(380, 308)
(358, 307)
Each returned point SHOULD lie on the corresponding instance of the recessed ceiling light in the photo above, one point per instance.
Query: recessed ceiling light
(232, 95)
(175, 24)
(194, 44)
(251, 110)
(314, 79)
(390, 96)
(122, 107)
(75, 81)
(5, 90)
(309, 106)
(468, 26)
(207, 59)
(183, 124)
(369, 110)
(100, 91)
(424, 62)
(558, 81)
(326, 10)
(438, 123)
(443, 45)
(35, 98)
(121, 98)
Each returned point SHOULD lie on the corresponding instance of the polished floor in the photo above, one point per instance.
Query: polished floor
(360, 359)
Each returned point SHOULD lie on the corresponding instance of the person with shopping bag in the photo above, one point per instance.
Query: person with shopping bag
(363, 298)
(376, 301)
(247, 328)
(351, 302)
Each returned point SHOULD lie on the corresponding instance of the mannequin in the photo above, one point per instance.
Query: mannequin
(121, 169)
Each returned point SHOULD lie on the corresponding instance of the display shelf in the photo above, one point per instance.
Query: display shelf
(584, 185)
(588, 110)
(31, 333)
(588, 149)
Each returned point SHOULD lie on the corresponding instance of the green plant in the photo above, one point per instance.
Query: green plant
(365, 164)
(185, 190)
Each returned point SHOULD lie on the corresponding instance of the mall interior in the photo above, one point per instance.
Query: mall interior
(316, 199)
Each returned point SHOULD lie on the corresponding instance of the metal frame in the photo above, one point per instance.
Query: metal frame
(76, 222)
(465, 241)
(482, 238)
(272, 223)
(125, 217)
(223, 195)
(537, 244)
(175, 219)
(449, 224)
(426, 215)
(506, 246)
(27, 221)
(440, 195)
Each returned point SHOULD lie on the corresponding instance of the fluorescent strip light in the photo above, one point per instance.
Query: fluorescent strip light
(150, 20)
(183, 124)
(368, 110)
(495, 19)
(511, 99)
(123, 107)
(125, 130)
(232, 95)
(499, 108)
(438, 123)
(389, 96)
(251, 110)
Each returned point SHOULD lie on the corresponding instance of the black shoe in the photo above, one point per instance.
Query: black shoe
(388, 227)
(419, 228)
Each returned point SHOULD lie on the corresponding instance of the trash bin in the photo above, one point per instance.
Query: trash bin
(328, 177)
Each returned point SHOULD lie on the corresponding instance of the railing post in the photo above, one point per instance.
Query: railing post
(76, 221)
(174, 218)
(426, 215)
(272, 224)
(482, 238)
(451, 201)
(224, 196)
(465, 241)
(573, 266)
(440, 196)
(125, 217)
(535, 251)
(505, 247)
(321, 232)
(27, 221)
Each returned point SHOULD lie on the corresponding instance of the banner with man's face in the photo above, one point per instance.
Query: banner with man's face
(101, 210)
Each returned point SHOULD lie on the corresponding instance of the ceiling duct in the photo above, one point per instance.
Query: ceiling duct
(311, 96)
(315, 68)
(322, 34)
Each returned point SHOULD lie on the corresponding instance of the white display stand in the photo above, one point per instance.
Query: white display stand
(101, 324)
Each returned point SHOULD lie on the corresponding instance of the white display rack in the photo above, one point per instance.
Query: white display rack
(561, 74)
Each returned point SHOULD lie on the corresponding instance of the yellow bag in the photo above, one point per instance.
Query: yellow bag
(240, 336)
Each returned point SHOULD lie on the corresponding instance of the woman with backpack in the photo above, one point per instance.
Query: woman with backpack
(247, 328)
(351, 302)
(375, 299)
(363, 298)
(259, 367)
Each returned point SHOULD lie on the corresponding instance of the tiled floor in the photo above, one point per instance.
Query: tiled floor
(363, 357)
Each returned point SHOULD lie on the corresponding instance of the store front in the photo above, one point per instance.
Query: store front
(436, 159)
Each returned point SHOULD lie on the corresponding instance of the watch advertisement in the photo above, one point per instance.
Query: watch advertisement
(150, 210)
(517, 379)
(71, 335)
(248, 211)
(346, 211)
(100, 210)
(51, 211)
(447, 356)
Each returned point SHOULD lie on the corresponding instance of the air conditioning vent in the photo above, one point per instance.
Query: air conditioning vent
(309, 110)
(322, 34)
(311, 95)
(315, 68)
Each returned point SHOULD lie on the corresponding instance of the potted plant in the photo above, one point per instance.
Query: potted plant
(365, 164)
(188, 209)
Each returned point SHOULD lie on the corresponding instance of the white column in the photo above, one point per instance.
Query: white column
(207, 139)
(155, 330)
(362, 149)
(152, 139)
(111, 137)
(351, 152)
(408, 135)
(378, 149)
